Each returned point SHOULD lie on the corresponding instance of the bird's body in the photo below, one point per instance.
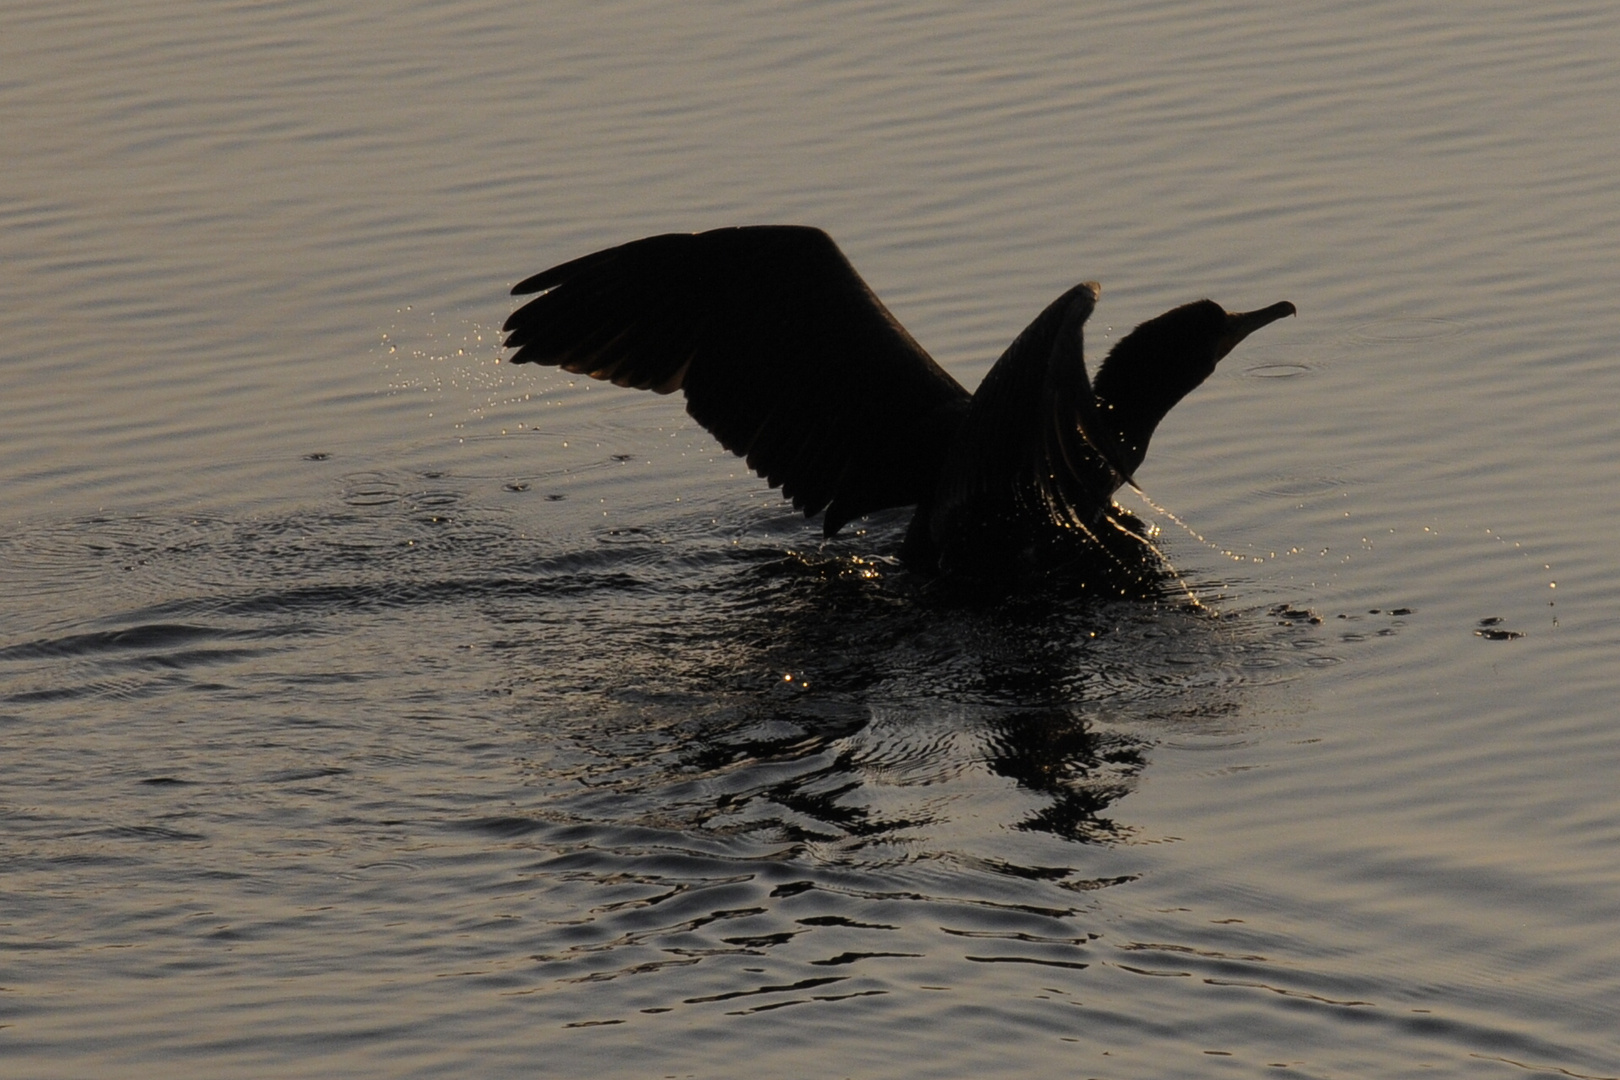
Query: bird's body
(789, 359)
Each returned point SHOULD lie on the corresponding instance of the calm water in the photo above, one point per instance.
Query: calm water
(373, 708)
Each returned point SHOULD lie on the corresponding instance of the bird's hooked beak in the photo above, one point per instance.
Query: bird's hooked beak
(1240, 324)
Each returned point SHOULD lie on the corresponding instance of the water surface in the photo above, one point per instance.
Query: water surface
(371, 707)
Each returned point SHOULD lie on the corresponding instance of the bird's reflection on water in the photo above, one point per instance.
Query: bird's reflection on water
(831, 697)
(1080, 770)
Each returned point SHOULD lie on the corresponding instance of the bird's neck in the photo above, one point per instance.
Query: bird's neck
(1131, 428)
(1136, 388)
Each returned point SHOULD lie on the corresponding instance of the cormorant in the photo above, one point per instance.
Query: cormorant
(789, 359)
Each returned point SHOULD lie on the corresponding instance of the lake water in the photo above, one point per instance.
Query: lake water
(373, 708)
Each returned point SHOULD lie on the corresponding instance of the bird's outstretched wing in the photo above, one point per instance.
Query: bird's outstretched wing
(1025, 451)
(1030, 475)
(783, 352)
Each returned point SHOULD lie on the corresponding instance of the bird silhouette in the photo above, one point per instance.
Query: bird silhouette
(788, 358)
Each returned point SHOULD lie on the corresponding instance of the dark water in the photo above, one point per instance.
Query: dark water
(372, 708)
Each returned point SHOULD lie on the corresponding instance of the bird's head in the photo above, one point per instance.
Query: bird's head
(1163, 360)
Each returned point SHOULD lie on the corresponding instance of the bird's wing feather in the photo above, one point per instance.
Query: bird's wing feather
(783, 352)
(1029, 458)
